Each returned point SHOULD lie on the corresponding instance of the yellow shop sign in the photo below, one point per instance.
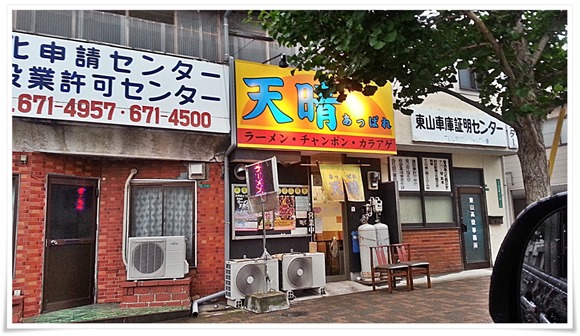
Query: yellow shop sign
(278, 110)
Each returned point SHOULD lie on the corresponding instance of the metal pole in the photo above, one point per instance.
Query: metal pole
(266, 256)
(263, 228)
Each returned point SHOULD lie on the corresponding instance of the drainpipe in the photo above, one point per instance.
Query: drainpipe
(194, 304)
(227, 34)
(125, 211)
(233, 138)
(226, 172)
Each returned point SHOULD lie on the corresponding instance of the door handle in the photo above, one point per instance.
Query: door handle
(53, 242)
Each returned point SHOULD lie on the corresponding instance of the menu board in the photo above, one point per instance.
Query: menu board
(290, 217)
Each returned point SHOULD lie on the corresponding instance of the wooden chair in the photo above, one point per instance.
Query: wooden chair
(401, 253)
(382, 262)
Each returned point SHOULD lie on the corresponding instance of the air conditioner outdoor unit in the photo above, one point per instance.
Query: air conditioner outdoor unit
(302, 271)
(248, 276)
(156, 258)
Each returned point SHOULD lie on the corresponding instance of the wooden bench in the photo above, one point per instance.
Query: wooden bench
(382, 261)
(402, 253)
(395, 261)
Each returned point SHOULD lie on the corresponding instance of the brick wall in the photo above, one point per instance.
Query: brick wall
(206, 278)
(441, 248)
(156, 293)
(31, 218)
(17, 308)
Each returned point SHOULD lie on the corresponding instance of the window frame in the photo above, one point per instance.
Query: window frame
(423, 194)
(162, 183)
(472, 79)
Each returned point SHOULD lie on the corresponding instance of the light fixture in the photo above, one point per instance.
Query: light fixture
(196, 171)
(240, 171)
(283, 60)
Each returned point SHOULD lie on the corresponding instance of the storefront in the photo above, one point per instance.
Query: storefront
(331, 156)
(453, 200)
(439, 185)
(110, 144)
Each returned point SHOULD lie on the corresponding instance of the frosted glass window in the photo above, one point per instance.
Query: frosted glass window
(410, 209)
(439, 209)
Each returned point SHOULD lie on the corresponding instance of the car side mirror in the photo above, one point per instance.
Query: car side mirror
(529, 278)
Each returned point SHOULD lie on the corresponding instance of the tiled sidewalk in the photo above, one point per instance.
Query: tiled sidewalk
(450, 302)
(455, 298)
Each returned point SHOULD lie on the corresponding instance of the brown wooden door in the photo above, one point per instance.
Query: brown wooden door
(69, 267)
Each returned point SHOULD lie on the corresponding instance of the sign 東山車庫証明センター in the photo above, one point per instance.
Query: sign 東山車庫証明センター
(278, 110)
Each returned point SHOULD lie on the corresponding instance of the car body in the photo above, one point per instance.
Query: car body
(529, 278)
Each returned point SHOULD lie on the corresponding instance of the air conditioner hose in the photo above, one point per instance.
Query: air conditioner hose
(125, 213)
(194, 304)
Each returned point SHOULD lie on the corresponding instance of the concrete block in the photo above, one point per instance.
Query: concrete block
(267, 302)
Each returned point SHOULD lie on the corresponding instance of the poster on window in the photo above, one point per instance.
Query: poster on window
(436, 174)
(405, 170)
(243, 219)
(290, 214)
(302, 204)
